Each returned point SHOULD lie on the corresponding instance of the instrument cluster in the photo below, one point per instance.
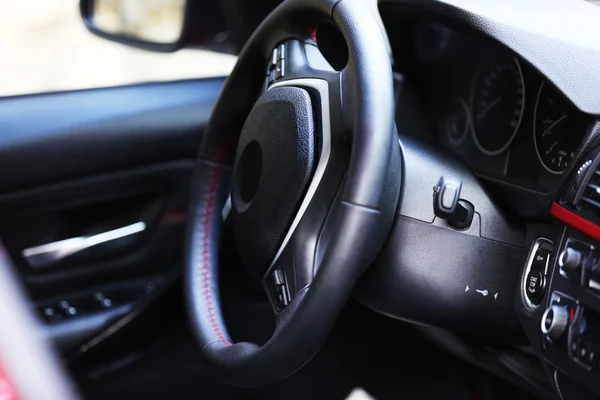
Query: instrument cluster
(491, 108)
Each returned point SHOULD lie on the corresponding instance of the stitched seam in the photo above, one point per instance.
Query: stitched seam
(206, 270)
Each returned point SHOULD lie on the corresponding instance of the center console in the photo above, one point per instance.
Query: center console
(570, 324)
(560, 288)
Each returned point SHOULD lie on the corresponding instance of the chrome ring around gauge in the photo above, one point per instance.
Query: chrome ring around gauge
(497, 104)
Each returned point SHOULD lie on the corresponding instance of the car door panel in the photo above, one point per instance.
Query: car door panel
(83, 165)
(53, 137)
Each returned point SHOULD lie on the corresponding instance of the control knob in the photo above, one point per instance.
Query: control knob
(555, 321)
(570, 261)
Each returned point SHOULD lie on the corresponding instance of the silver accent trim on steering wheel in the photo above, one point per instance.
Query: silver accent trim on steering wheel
(323, 88)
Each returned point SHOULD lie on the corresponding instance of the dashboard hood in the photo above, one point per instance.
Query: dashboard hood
(534, 34)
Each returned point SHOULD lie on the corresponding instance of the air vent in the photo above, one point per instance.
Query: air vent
(584, 192)
(590, 199)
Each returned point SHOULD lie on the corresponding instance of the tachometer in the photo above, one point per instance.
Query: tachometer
(497, 104)
(557, 130)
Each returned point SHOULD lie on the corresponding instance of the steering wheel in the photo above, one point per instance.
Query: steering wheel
(311, 159)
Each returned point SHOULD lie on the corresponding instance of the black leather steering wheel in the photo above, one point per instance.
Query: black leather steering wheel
(314, 183)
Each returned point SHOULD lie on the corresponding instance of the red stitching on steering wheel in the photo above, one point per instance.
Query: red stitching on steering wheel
(206, 272)
(207, 224)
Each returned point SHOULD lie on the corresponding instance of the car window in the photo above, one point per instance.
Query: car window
(44, 47)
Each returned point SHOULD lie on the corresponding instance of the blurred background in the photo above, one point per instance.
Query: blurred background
(159, 21)
(45, 47)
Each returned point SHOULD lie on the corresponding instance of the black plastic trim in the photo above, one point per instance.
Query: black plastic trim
(54, 137)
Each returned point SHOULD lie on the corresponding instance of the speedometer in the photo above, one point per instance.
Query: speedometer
(497, 104)
(557, 131)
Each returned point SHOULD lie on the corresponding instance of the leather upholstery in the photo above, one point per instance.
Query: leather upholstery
(78, 134)
(209, 193)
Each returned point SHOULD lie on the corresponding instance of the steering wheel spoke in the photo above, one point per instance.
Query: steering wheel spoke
(294, 267)
(284, 279)
(295, 59)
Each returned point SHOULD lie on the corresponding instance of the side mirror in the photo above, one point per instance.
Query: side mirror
(157, 25)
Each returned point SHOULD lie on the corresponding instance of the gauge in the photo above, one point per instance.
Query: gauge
(497, 104)
(453, 126)
(557, 129)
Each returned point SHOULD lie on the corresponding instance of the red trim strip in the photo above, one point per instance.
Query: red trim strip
(6, 390)
(575, 221)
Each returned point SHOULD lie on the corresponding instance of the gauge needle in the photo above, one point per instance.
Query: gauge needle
(558, 121)
(551, 147)
(489, 107)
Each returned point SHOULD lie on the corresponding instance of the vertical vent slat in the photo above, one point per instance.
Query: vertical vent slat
(590, 200)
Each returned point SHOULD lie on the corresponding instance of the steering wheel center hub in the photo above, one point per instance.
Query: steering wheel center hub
(273, 167)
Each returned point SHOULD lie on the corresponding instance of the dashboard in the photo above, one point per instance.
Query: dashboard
(514, 100)
(532, 317)
(488, 106)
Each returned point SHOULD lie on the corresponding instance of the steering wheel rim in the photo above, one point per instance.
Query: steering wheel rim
(361, 95)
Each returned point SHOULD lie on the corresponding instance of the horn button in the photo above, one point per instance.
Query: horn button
(274, 164)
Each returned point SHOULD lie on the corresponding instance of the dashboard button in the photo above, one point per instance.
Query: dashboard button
(67, 309)
(278, 276)
(281, 51)
(280, 69)
(49, 313)
(573, 347)
(583, 350)
(281, 297)
(102, 300)
(276, 283)
(541, 258)
(535, 285)
(274, 57)
(271, 77)
(591, 356)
